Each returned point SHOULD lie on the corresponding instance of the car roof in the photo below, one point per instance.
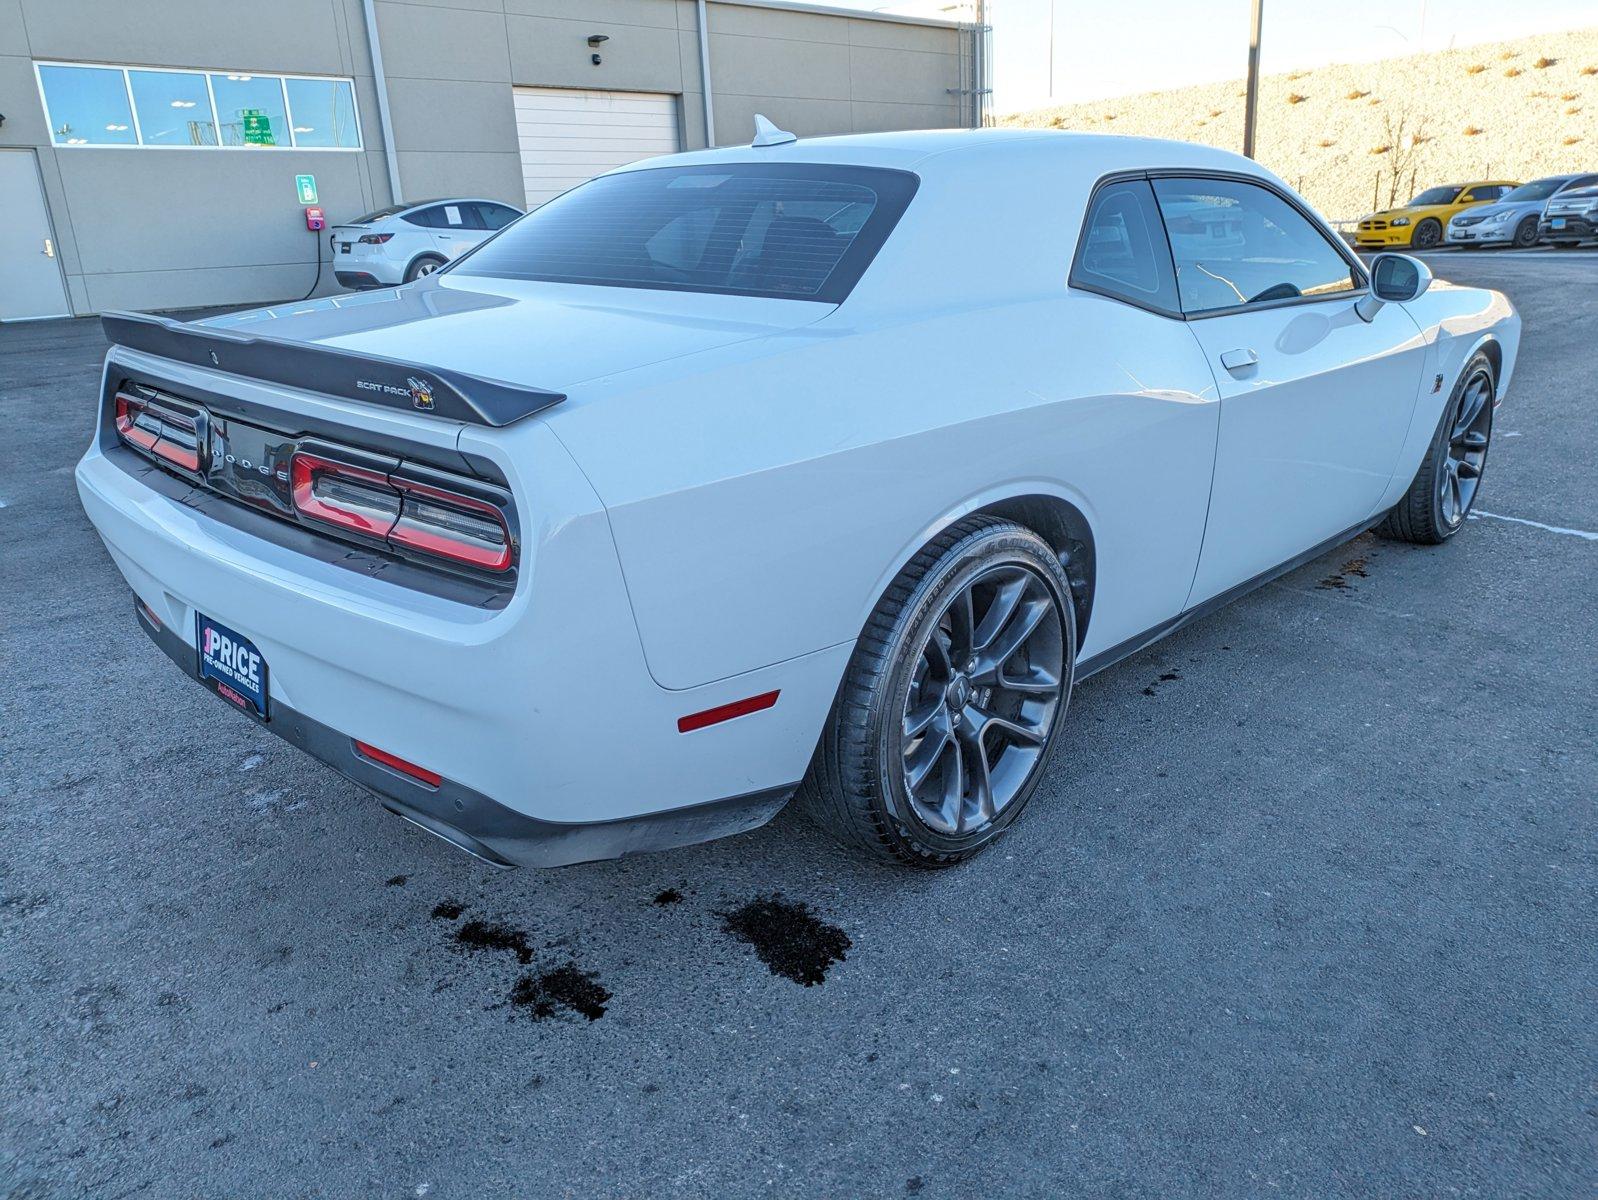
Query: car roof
(932, 150)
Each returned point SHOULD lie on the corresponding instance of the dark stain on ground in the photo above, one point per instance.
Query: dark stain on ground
(484, 935)
(790, 939)
(1165, 677)
(397, 881)
(448, 910)
(567, 989)
(1353, 567)
(668, 896)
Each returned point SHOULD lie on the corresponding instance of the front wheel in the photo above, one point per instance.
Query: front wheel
(1526, 233)
(951, 702)
(1443, 490)
(1427, 234)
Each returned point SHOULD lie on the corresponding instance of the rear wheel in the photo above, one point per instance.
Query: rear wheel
(1427, 234)
(950, 705)
(1526, 233)
(425, 265)
(1443, 490)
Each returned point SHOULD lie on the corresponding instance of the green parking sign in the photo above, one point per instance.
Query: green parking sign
(306, 186)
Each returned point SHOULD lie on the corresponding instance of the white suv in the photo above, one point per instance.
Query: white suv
(406, 241)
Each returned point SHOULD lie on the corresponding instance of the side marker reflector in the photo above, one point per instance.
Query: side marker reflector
(726, 712)
(420, 774)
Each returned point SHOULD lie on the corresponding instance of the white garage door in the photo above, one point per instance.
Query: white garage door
(569, 135)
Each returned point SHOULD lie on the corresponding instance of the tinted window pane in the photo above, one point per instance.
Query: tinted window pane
(174, 108)
(88, 106)
(250, 108)
(324, 112)
(1236, 243)
(781, 231)
(1436, 195)
(496, 216)
(1123, 248)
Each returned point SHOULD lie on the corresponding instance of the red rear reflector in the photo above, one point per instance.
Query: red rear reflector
(726, 712)
(147, 612)
(420, 774)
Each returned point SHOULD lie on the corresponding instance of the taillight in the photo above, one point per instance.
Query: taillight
(452, 526)
(420, 517)
(343, 495)
(374, 239)
(154, 428)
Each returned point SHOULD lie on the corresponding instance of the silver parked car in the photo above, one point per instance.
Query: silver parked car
(406, 241)
(1571, 216)
(1512, 220)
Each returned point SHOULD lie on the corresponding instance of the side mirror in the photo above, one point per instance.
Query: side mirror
(1395, 278)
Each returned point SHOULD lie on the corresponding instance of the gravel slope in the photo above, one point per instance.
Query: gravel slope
(1542, 120)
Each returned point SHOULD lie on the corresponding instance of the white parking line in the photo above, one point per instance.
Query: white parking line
(1581, 533)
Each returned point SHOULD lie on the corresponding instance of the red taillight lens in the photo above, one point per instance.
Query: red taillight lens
(452, 526)
(431, 520)
(349, 497)
(395, 762)
(374, 239)
(156, 429)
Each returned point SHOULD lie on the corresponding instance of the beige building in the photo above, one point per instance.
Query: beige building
(151, 150)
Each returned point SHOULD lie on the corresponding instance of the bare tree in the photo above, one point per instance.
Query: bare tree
(1405, 135)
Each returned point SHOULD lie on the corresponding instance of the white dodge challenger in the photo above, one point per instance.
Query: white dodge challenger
(821, 467)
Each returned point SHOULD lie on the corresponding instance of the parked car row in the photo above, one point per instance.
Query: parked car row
(1561, 209)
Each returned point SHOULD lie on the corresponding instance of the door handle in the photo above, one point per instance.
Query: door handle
(49, 249)
(1238, 360)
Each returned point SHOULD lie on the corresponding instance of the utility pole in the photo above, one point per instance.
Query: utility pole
(1251, 102)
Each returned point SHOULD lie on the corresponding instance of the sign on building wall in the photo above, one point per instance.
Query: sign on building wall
(306, 186)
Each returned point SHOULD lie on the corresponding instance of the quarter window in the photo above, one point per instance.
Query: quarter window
(139, 106)
(1123, 251)
(1237, 243)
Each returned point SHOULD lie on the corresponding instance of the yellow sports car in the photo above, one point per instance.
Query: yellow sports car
(1420, 223)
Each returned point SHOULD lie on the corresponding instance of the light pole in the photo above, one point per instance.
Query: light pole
(1251, 102)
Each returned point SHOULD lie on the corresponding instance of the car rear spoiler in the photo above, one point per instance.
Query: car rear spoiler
(368, 378)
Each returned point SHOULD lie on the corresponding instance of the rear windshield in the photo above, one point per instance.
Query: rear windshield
(795, 231)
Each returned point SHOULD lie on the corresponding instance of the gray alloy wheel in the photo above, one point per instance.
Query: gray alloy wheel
(423, 266)
(1446, 485)
(1526, 233)
(1427, 234)
(1470, 431)
(952, 700)
(981, 700)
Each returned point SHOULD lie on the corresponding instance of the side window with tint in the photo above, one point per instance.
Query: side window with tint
(1123, 251)
(1237, 243)
(427, 218)
(495, 216)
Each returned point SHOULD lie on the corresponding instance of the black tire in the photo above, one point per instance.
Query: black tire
(858, 787)
(425, 264)
(1424, 516)
(1526, 233)
(1427, 234)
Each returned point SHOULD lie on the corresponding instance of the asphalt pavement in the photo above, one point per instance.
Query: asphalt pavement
(1305, 906)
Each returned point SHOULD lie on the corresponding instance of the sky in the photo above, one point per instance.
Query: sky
(1118, 47)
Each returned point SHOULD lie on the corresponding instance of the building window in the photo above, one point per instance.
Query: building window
(324, 113)
(174, 108)
(88, 106)
(139, 106)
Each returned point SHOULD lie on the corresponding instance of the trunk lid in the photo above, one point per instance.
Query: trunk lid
(543, 335)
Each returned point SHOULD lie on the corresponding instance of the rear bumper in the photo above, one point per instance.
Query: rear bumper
(482, 827)
(358, 279)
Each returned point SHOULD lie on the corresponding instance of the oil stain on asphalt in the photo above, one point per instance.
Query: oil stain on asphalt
(1339, 581)
(788, 937)
(536, 994)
